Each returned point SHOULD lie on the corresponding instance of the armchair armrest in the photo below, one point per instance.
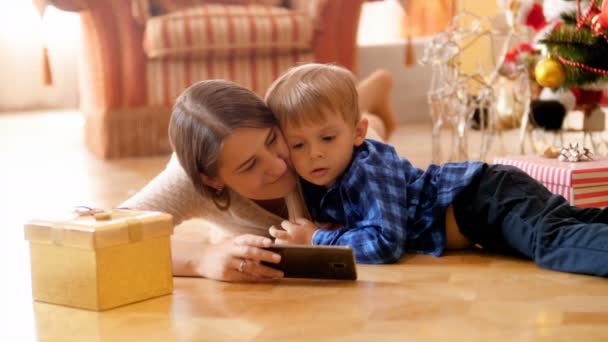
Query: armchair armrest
(71, 5)
(336, 24)
(113, 59)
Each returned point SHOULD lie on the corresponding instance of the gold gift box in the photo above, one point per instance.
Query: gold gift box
(98, 260)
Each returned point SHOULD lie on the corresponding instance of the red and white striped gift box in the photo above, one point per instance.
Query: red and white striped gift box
(584, 184)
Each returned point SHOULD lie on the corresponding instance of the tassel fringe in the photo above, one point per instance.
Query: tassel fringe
(47, 75)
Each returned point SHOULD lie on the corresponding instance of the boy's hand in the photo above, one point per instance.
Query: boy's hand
(299, 232)
(329, 226)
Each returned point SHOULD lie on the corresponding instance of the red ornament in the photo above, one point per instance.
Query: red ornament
(597, 26)
(604, 15)
(593, 11)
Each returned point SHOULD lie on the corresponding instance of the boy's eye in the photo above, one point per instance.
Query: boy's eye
(329, 137)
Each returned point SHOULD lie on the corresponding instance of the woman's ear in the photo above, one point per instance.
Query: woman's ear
(361, 131)
(211, 182)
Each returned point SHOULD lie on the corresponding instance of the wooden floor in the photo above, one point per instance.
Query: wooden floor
(44, 168)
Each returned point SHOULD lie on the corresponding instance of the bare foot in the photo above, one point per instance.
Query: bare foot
(374, 98)
(376, 126)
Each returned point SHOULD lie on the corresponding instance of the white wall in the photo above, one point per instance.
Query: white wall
(381, 46)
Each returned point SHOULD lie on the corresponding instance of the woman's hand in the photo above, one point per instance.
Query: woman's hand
(299, 232)
(239, 259)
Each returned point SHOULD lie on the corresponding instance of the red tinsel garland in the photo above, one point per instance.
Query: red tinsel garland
(582, 66)
(585, 19)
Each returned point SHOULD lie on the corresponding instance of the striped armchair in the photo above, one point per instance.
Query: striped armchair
(139, 55)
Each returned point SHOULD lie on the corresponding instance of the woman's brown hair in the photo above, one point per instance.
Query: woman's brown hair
(203, 115)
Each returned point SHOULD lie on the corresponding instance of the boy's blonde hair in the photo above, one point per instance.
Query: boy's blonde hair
(304, 94)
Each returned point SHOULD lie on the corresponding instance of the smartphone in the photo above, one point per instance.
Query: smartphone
(318, 262)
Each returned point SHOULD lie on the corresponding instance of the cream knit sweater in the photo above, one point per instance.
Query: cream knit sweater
(173, 192)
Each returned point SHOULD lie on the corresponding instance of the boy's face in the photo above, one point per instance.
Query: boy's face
(320, 152)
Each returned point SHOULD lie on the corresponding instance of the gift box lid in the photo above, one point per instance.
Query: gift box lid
(552, 171)
(96, 229)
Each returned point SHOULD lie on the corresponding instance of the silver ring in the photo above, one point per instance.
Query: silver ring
(242, 266)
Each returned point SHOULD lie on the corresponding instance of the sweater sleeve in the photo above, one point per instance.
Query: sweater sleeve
(171, 192)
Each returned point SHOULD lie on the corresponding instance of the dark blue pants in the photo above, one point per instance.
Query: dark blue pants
(506, 210)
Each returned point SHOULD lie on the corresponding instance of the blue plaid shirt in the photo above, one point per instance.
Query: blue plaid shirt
(386, 205)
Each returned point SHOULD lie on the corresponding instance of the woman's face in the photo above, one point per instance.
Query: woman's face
(254, 162)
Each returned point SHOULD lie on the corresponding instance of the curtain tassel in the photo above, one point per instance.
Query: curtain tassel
(409, 52)
(47, 76)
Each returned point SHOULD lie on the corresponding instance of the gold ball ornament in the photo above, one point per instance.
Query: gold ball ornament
(550, 73)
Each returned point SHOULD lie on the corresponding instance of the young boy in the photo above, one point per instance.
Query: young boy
(387, 207)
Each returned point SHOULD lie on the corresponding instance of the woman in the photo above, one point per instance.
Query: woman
(231, 168)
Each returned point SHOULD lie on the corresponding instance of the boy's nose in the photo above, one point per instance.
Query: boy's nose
(316, 152)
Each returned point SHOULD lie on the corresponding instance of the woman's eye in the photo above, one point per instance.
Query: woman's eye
(251, 166)
(297, 146)
(273, 139)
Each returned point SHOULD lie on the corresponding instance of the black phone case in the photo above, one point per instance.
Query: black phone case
(318, 262)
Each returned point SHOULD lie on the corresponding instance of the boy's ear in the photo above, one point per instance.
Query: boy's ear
(211, 182)
(361, 131)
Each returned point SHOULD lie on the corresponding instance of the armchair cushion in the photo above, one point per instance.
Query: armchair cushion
(174, 5)
(222, 30)
(144, 9)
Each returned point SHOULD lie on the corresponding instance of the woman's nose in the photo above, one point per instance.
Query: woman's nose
(276, 166)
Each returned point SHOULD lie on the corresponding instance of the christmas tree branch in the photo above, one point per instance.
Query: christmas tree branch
(581, 52)
(570, 35)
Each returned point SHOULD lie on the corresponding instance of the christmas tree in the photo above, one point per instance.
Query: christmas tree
(576, 44)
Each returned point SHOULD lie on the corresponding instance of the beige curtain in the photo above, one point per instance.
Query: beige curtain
(22, 35)
(390, 21)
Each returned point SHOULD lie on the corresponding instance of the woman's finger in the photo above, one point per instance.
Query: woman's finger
(251, 278)
(253, 240)
(244, 277)
(261, 271)
(256, 254)
(266, 271)
(281, 242)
